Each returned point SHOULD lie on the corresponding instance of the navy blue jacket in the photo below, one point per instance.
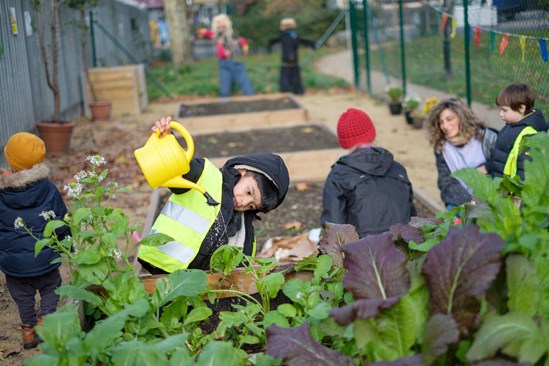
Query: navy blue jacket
(27, 194)
(506, 139)
(290, 43)
(369, 190)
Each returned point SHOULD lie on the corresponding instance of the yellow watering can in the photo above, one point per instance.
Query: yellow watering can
(163, 161)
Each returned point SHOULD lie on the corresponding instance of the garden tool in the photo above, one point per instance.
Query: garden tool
(163, 161)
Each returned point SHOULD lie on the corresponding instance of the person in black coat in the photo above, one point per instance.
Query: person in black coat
(366, 188)
(290, 74)
(28, 200)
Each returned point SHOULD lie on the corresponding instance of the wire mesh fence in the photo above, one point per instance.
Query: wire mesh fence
(503, 42)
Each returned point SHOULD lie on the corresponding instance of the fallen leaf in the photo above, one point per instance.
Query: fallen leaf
(302, 186)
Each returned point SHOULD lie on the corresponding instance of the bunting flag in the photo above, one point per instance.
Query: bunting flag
(503, 44)
(543, 49)
(522, 41)
(443, 21)
(478, 31)
(443, 17)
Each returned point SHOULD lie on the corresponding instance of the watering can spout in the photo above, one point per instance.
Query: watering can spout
(163, 161)
(179, 182)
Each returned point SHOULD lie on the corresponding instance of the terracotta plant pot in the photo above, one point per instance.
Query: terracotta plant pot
(101, 110)
(56, 136)
(395, 108)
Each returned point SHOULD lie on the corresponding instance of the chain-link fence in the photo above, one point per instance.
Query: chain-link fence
(504, 41)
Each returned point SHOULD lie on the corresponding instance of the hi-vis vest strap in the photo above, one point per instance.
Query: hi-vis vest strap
(510, 168)
(187, 219)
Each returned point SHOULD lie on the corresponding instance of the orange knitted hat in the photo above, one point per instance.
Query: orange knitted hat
(24, 150)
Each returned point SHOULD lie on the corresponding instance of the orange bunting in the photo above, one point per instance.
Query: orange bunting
(444, 20)
(504, 43)
(478, 31)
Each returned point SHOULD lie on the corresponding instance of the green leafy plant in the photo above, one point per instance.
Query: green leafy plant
(394, 92)
(411, 103)
(478, 294)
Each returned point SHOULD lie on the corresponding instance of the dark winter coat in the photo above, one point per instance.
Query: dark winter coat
(506, 139)
(368, 190)
(451, 191)
(290, 43)
(230, 221)
(27, 194)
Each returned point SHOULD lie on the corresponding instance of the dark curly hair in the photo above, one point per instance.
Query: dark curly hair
(470, 125)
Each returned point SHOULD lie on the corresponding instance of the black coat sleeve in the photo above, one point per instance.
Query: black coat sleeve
(451, 191)
(306, 42)
(334, 208)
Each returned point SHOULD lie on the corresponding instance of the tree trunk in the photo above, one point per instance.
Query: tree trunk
(176, 15)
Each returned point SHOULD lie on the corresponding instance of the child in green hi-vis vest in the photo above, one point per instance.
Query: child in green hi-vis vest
(516, 109)
(244, 186)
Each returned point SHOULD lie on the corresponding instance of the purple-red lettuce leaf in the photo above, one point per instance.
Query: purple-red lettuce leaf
(361, 309)
(459, 270)
(333, 237)
(376, 269)
(406, 233)
(404, 236)
(296, 347)
(440, 332)
(516, 334)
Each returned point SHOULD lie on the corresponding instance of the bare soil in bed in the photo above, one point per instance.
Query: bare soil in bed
(233, 107)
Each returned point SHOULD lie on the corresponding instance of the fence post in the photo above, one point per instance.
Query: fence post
(402, 55)
(92, 36)
(352, 19)
(365, 13)
(466, 38)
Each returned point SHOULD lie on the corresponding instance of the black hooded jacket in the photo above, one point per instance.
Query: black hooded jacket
(27, 194)
(368, 190)
(231, 221)
(290, 43)
(506, 139)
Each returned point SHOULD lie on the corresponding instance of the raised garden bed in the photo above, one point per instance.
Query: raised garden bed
(241, 113)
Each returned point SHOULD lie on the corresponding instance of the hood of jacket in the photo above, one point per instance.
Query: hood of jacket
(12, 186)
(270, 165)
(373, 160)
(536, 120)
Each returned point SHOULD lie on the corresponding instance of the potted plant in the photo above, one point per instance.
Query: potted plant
(410, 104)
(395, 99)
(55, 132)
(100, 109)
(419, 114)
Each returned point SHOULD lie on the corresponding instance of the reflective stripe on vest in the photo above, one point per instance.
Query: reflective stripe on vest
(187, 219)
(510, 168)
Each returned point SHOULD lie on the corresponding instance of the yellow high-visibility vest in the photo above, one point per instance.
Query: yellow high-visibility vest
(187, 218)
(510, 168)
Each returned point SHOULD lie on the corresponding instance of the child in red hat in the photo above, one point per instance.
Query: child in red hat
(366, 188)
(28, 200)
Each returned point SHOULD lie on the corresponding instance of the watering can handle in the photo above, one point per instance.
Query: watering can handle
(189, 152)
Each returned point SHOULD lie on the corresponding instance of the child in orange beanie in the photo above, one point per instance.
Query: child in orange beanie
(366, 188)
(29, 198)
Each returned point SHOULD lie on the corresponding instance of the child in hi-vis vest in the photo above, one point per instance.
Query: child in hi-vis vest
(516, 109)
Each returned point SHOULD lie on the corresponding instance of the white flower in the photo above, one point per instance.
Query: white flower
(96, 160)
(47, 215)
(19, 223)
(80, 176)
(73, 189)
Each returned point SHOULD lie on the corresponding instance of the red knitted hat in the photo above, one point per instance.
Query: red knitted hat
(354, 128)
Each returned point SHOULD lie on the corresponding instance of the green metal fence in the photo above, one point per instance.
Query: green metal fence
(428, 44)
